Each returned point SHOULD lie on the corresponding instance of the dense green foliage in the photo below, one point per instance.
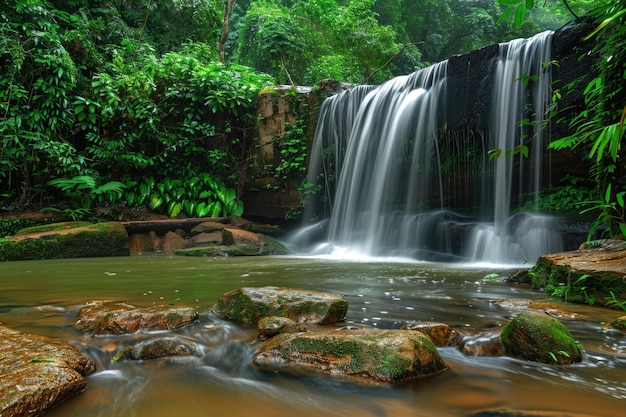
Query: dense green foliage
(84, 96)
(599, 127)
(131, 94)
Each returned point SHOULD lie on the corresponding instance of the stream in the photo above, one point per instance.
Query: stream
(43, 297)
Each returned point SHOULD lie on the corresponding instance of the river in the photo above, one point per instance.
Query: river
(43, 297)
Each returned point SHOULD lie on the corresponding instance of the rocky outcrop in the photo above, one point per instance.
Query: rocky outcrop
(215, 237)
(391, 356)
(38, 373)
(592, 275)
(540, 338)
(250, 304)
(110, 318)
(66, 240)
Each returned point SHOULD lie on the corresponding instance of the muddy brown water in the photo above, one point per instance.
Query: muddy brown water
(43, 297)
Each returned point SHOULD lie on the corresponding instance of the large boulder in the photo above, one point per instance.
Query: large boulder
(66, 240)
(540, 338)
(382, 355)
(110, 318)
(594, 274)
(249, 304)
(38, 373)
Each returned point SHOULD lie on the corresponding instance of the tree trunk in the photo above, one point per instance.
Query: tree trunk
(227, 12)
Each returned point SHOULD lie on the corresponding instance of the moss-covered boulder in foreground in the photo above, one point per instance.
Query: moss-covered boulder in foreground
(540, 338)
(38, 373)
(382, 355)
(249, 304)
(66, 240)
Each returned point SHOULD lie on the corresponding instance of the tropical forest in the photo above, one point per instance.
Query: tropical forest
(152, 103)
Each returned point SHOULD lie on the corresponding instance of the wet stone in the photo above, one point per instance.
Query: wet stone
(38, 373)
(110, 318)
(273, 325)
(250, 304)
(391, 356)
(540, 338)
(441, 334)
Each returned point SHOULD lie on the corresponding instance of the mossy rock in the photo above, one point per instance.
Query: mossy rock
(540, 338)
(392, 356)
(250, 304)
(66, 240)
(110, 318)
(594, 277)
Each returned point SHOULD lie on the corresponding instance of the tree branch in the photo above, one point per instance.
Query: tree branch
(386, 64)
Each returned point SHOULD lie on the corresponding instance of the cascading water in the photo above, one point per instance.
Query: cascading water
(392, 174)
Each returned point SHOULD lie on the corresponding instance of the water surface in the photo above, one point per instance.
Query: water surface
(43, 297)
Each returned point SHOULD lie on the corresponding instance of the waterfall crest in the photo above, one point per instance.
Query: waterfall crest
(396, 182)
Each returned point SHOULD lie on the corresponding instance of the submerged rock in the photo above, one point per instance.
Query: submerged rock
(38, 373)
(382, 355)
(250, 304)
(157, 348)
(540, 338)
(551, 309)
(484, 344)
(106, 317)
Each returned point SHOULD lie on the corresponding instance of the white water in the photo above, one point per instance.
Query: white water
(377, 156)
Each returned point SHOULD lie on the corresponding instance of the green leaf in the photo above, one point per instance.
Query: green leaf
(156, 200)
(520, 14)
(174, 208)
(202, 209)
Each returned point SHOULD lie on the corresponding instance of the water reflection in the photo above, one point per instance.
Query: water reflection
(218, 379)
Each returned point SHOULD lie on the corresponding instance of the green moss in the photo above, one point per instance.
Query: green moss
(391, 366)
(326, 346)
(575, 286)
(173, 316)
(102, 239)
(540, 338)
(53, 227)
(35, 249)
(237, 306)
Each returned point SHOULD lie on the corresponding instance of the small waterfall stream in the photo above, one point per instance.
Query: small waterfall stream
(396, 182)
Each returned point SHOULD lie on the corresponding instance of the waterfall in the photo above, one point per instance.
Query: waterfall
(392, 180)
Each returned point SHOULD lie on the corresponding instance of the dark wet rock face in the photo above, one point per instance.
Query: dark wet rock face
(109, 318)
(540, 338)
(250, 304)
(38, 373)
(391, 356)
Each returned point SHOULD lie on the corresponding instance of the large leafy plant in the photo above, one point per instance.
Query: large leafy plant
(199, 196)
